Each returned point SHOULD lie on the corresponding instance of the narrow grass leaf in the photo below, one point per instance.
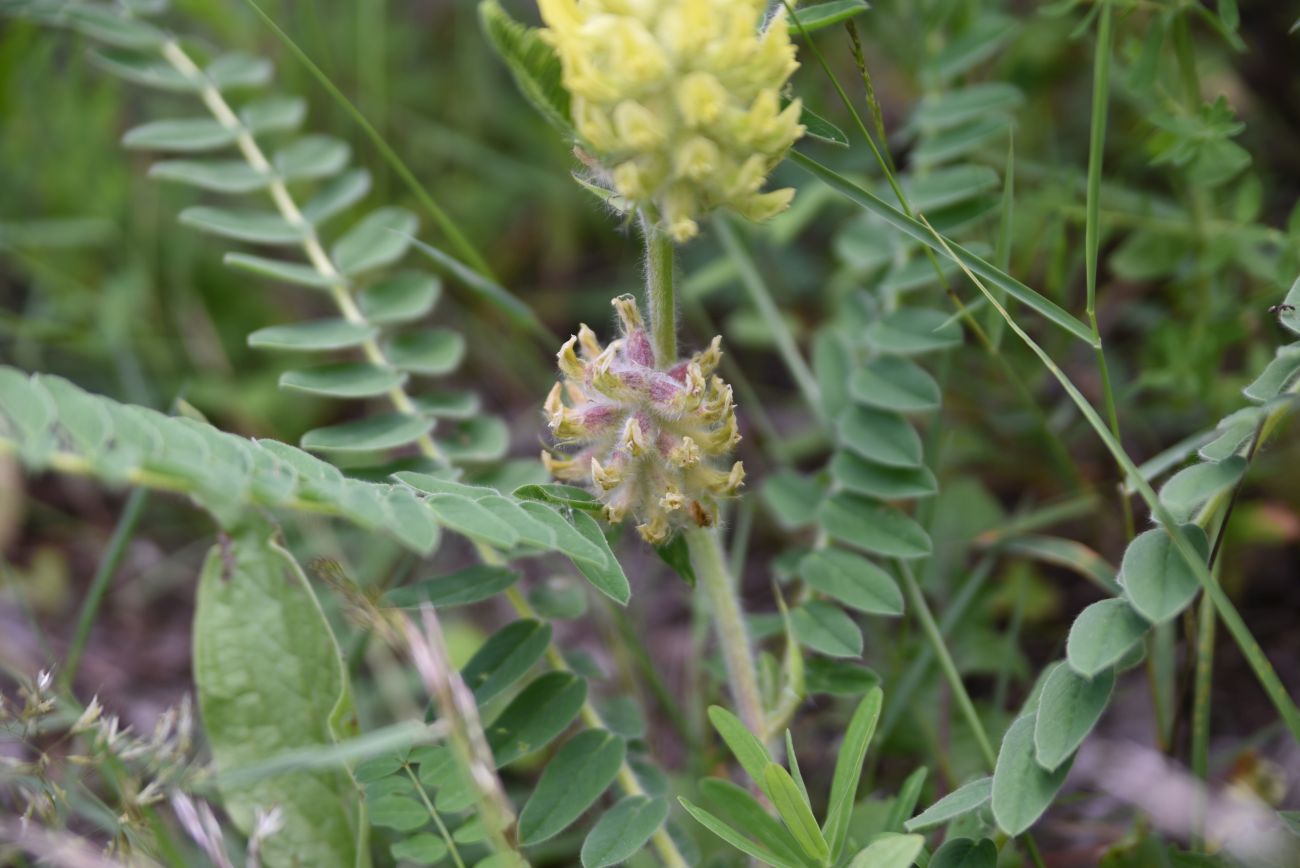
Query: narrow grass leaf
(794, 810)
(848, 770)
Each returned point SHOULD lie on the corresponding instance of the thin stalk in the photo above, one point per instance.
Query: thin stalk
(660, 263)
(761, 296)
(711, 574)
(1259, 664)
(112, 559)
(1092, 235)
(464, 249)
(1201, 712)
(921, 608)
(437, 818)
(338, 288)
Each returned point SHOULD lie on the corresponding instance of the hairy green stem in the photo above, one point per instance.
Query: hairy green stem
(104, 573)
(921, 609)
(660, 263)
(1201, 710)
(728, 618)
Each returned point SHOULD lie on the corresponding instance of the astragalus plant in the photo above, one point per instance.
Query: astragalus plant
(889, 503)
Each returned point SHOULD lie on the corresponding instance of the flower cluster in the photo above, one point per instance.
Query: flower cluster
(647, 439)
(680, 101)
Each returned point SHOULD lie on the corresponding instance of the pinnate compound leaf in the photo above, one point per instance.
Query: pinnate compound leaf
(1192, 487)
(1102, 634)
(425, 848)
(1069, 706)
(1022, 789)
(1157, 580)
(848, 769)
(342, 380)
(368, 434)
(880, 436)
(312, 335)
(270, 680)
(959, 802)
(218, 176)
(623, 830)
(470, 585)
(188, 135)
(895, 383)
(582, 770)
(400, 298)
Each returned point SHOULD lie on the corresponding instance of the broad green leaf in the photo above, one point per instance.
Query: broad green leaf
(582, 770)
(255, 227)
(109, 26)
(270, 680)
(380, 239)
(833, 363)
(792, 498)
(239, 71)
(853, 580)
(149, 71)
(609, 578)
(828, 14)
(965, 853)
(1069, 706)
(895, 383)
(623, 717)
(961, 141)
(734, 838)
(826, 629)
(531, 531)
(505, 657)
(817, 127)
(920, 232)
(567, 538)
(838, 677)
(1235, 432)
(83, 424)
(448, 405)
(677, 554)
(1278, 376)
(889, 850)
(28, 411)
(623, 830)
(218, 176)
(409, 521)
(431, 352)
(1158, 582)
(400, 298)
(425, 848)
(475, 440)
(338, 195)
(540, 712)
(559, 600)
(532, 62)
(911, 331)
(465, 516)
(469, 585)
(959, 802)
(1022, 789)
(186, 136)
(952, 185)
(311, 157)
(277, 269)
(950, 108)
(274, 114)
(873, 527)
(860, 476)
(1192, 487)
(368, 434)
(399, 812)
(342, 380)
(848, 770)
(880, 436)
(1102, 634)
(794, 810)
(565, 495)
(312, 335)
(985, 37)
(742, 743)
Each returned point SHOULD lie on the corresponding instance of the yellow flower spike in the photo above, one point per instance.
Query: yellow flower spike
(761, 206)
(677, 102)
(650, 441)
